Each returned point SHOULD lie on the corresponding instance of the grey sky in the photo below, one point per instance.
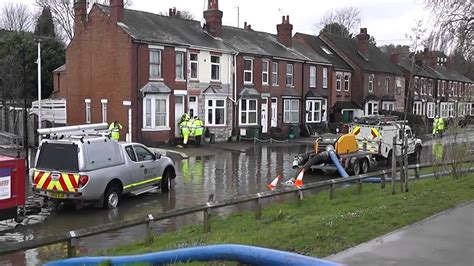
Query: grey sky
(387, 20)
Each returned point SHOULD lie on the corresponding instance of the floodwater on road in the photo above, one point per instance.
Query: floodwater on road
(224, 175)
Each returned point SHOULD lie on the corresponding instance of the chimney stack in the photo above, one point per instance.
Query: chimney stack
(285, 31)
(80, 12)
(247, 26)
(116, 10)
(394, 58)
(363, 43)
(213, 17)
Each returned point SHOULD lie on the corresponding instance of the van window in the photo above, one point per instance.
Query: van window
(408, 133)
(130, 153)
(58, 157)
(143, 154)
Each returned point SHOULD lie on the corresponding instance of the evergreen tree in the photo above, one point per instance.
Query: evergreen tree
(44, 24)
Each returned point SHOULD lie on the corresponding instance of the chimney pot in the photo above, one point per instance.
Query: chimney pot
(284, 31)
(116, 10)
(213, 17)
(245, 24)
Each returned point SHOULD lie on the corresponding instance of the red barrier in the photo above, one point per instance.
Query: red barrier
(12, 186)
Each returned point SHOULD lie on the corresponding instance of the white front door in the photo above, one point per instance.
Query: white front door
(178, 112)
(264, 115)
(193, 106)
(274, 112)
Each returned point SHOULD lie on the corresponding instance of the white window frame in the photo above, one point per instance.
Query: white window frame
(339, 81)
(444, 88)
(455, 89)
(347, 82)
(214, 107)
(289, 75)
(471, 109)
(451, 112)
(312, 76)
(389, 106)
(375, 108)
(275, 73)
(248, 71)
(311, 111)
(288, 111)
(430, 110)
(218, 65)
(423, 86)
(387, 85)
(418, 108)
(416, 85)
(370, 85)
(153, 126)
(88, 110)
(248, 112)
(265, 64)
(325, 77)
(179, 66)
(444, 113)
(191, 63)
(103, 103)
(398, 86)
(158, 64)
(430, 87)
(450, 88)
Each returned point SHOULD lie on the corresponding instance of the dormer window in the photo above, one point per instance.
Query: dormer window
(326, 50)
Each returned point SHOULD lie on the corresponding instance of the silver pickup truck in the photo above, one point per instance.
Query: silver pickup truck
(98, 169)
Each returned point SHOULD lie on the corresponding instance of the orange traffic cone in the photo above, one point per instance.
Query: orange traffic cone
(299, 179)
(274, 183)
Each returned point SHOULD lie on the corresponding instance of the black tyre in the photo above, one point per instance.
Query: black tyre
(417, 154)
(364, 165)
(166, 181)
(356, 167)
(112, 196)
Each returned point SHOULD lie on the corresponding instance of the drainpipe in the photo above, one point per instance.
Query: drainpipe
(303, 106)
(234, 100)
(137, 134)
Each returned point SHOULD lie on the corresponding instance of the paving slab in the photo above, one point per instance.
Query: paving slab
(446, 238)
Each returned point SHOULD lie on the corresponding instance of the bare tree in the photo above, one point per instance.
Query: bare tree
(63, 13)
(15, 17)
(454, 26)
(349, 17)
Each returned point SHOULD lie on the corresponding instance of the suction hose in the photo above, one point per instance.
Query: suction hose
(335, 161)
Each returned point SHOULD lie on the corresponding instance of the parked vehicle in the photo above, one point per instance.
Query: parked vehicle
(79, 164)
(375, 134)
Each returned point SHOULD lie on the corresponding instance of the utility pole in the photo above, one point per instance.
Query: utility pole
(39, 88)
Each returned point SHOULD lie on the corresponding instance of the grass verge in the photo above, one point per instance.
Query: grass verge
(320, 227)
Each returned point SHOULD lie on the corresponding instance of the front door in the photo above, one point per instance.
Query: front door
(193, 106)
(178, 112)
(274, 112)
(264, 115)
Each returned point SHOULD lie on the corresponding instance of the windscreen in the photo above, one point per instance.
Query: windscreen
(58, 157)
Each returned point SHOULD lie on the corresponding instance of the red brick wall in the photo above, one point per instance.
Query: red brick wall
(59, 85)
(98, 61)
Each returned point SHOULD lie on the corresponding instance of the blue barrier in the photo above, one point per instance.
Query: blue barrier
(226, 252)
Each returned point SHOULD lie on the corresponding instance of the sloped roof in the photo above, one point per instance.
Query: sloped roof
(151, 27)
(438, 72)
(312, 93)
(155, 88)
(312, 55)
(420, 70)
(258, 43)
(316, 43)
(378, 61)
(249, 92)
(339, 105)
(60, 69)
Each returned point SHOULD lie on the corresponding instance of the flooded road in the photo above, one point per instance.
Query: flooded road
(224, 175)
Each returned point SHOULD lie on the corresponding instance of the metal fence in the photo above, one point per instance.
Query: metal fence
(71, 237)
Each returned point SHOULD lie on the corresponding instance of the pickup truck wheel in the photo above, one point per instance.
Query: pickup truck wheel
(356, 167)
(364, 164)
(166, 182)
(111, 197)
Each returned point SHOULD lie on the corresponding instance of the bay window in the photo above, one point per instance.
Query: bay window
(313, 111)
(155, 112)
(291, 111)
(215, 112)
(248, 112)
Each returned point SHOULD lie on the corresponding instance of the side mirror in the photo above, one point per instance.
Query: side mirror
(157, 156)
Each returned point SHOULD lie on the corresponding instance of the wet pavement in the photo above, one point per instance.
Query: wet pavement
(222, 170)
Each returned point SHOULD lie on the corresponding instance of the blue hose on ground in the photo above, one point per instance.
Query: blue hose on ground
(388, 180)
(335, 161)
(227, 252)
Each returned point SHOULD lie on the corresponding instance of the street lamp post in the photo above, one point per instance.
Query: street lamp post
(39, 88)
